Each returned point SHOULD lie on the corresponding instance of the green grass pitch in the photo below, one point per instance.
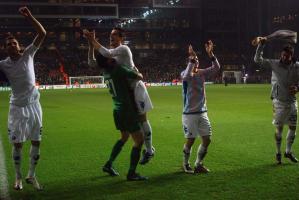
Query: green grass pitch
(79, 133)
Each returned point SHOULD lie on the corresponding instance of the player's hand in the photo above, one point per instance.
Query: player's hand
(191, 51)
(139, 76)
(25, 11)
(89, 35)
(293, 89)
(209, 48)
(258, 40)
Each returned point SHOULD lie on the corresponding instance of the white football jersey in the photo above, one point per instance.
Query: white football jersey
(122, 54)
(21, 76)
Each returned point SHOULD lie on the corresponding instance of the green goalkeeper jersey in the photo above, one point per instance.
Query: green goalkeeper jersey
(119, 88)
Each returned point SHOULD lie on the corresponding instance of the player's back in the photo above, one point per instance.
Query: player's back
(119, 88)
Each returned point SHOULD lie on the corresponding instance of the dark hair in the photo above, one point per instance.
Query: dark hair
(10, 37)
(121, 32)
(288, 49)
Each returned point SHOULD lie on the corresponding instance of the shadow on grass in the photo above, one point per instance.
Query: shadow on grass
(257, 182)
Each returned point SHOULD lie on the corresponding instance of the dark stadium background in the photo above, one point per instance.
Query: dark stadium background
(158, 32)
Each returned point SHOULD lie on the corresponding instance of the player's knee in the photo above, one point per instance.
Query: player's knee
(142, 117)
(190, 142)
(278, 137)
(35, 143)
(206, 140)
(291, 135)
(124, 137)
(18, 145)
(36, 157)
(279, 129)
(16, 158)
(138, 144)
(293, 128)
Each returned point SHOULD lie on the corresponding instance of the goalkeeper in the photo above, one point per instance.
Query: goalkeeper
(124, 112)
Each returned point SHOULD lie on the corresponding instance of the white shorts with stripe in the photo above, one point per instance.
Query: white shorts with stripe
(284, 113)
(195, 125)
(143, 101)
(25, 123)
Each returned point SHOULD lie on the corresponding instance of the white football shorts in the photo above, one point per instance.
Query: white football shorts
(25, 123)
(143, 101)
(195, 125)
(284, 113)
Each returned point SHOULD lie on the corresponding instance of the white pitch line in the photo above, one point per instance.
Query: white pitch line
(4, 192)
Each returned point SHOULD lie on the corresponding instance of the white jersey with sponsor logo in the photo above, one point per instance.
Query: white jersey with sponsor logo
(21, 76)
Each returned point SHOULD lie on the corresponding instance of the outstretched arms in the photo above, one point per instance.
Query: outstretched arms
(109, 53)
(90, 36)
(258, 57)
(41, 32)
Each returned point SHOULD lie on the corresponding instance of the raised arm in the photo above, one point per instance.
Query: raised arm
(193, 61)
(209, 46)
(258, 57)
(109, 53)
(91, 58)
(41, 32)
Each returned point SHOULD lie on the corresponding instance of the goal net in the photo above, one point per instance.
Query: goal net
(87, 82)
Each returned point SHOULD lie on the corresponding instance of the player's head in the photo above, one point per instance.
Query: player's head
(117, 36)
(286, 55)
(12, 45)
(104, 62)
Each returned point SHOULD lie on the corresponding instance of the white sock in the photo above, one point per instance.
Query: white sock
(17, 158)
(201, 153)
(147, 131)
(290, 140)
(186, 154)
(278, 142)
(34, 157)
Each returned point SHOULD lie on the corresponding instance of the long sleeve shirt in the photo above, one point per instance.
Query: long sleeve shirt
(194, 95)
(283, 76)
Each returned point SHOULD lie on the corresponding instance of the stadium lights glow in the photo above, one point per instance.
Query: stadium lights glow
(147, 13)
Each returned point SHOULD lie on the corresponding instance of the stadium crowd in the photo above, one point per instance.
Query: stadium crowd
(56, 65)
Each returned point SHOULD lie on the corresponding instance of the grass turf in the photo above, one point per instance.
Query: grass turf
(79, 133)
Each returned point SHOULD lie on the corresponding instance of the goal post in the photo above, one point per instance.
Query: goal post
(87, 81)
(232, 76)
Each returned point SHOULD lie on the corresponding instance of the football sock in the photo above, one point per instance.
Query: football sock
(34, 157)
(115, 151)
(17, 157)
(186, 155)
(135, 156)
(201, 153)
(147, 131)
(290, 140)
(278, 141)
